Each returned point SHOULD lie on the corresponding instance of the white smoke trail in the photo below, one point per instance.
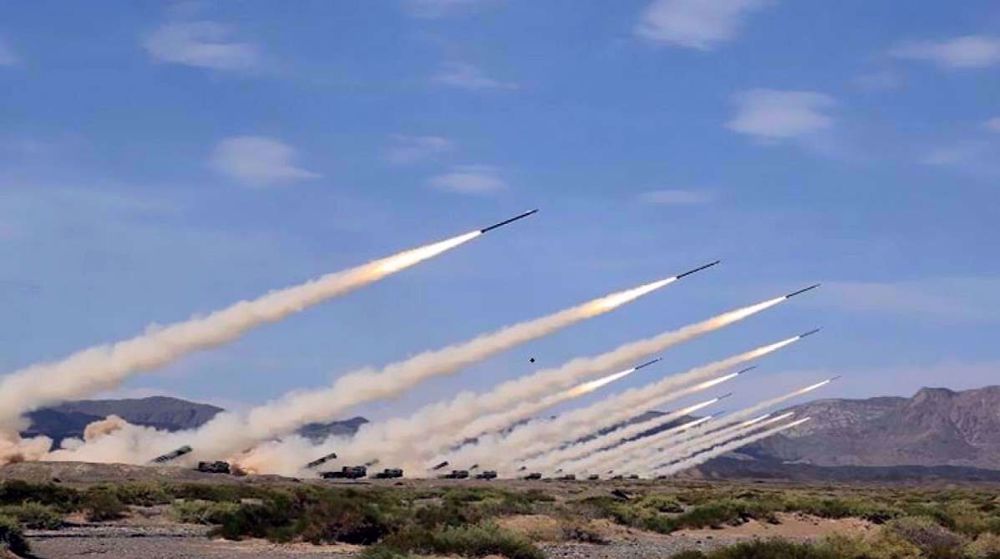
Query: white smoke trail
(611, 440)
(230, 433)
(543, 435)
(678, 449)
(748, 412)
(106, 366)
(436, 427)
(500, 420)
(728, 447)
(614, 458)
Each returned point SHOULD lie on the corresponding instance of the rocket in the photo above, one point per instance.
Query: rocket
(794, 293)
(506, 221)
(320, 461)
(648, 363)
(809, 333)
(698, 269)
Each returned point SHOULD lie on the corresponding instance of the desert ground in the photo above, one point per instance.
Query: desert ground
(75, 510)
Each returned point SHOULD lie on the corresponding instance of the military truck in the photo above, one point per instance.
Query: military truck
(593, 477)
(534, 475)
(346, 472)
(487, 474)
(389, 473)
(567, 477)
(456, 474)
(217, 467)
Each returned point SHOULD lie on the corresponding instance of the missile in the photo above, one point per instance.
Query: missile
(439, 466)
(724, 396)
(173, 455)
(809, 333)
(321, 460)
(747, 370)
(835, 378)
(506, 221)
(793, 294)
(648, 363)
(698, 269)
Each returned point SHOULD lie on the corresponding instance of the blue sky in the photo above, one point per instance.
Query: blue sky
(159, 160)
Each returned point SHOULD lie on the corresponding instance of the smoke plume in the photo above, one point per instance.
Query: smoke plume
(543, 435)
(436, 427)
(106, 366)
(728, 447)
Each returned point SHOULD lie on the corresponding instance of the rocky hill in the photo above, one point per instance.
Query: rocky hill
(171, 414)
(936, 427)
(951, 433)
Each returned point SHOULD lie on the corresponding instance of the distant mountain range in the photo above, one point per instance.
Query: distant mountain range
(938, 433)
(172, 414)
(936, 427)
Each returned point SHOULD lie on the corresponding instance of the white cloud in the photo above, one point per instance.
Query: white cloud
(7, 56)
(960, 298)
(774, 115)
(698, 24)
(884, 80)
(974, 157)
(257, 161)
(470, 179)
(676, 197)
(431, 9)
(412, 149)
(992, 124)
(970, 51)
(203, 44)
(467, 76)
(954, 155)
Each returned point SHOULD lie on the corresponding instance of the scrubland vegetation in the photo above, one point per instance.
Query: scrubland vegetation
(393, 522)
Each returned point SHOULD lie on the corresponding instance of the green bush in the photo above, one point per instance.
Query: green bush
(202, 512)
(101, 505)
(17, 492)
(468, 541)
(986, 546)
(12, 537)
(762, 549)
(34, 515)
(724, 512)
(881, 545)
(143, 494)
(338, 520)
(270, 520)
(933, 540)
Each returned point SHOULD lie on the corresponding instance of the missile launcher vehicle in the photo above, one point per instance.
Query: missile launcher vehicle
(346, 472)
(389, 473)
(217, 467)
(456, 474)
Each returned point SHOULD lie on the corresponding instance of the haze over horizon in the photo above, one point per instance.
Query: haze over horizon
(164, 160)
